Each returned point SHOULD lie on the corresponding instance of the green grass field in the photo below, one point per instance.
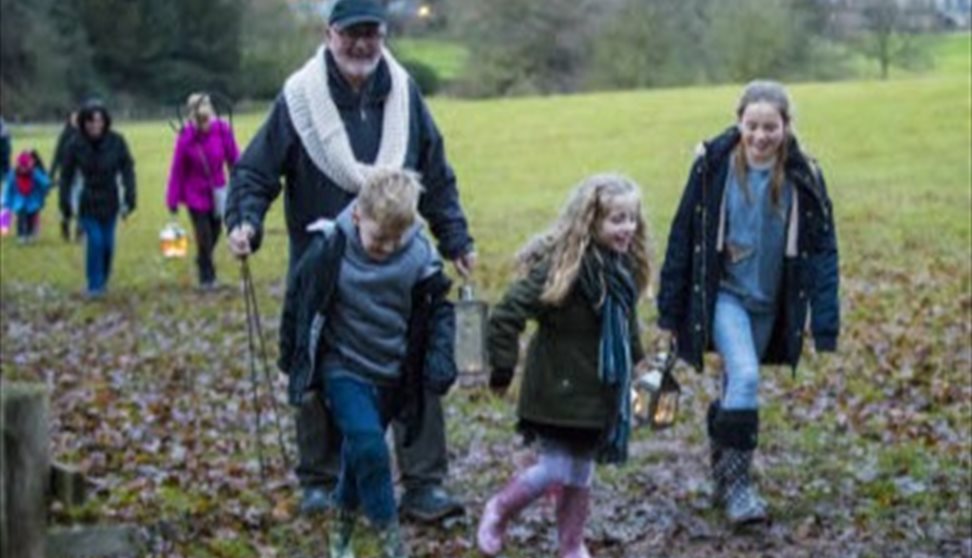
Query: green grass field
(446, 58)
(865, 453)
(895, 154)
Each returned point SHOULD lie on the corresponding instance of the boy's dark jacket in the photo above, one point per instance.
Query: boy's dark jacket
(693, 266)
(429, 360)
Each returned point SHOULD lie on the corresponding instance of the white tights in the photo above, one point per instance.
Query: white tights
(557, 466)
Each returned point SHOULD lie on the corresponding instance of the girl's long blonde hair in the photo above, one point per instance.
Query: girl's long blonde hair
(567, 240)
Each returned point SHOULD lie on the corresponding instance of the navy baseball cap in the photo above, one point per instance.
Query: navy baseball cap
(354, 12)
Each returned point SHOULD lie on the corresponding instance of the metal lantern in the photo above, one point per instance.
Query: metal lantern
(655, 394)
(174, 241)
(470, 348)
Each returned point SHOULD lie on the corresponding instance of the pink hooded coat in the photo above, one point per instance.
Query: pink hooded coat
(192, 178)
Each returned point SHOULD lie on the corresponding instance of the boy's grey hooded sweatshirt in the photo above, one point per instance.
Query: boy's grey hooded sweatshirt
(367, 326)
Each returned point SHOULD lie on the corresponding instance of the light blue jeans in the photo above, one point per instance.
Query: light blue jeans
(740, 337)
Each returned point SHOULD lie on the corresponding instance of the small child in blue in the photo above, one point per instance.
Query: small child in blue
(24, 193)
(367, 317)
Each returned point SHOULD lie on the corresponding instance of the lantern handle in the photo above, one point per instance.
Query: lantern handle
(671, 357)
(670, 352)
(467, 291)
(668, 365)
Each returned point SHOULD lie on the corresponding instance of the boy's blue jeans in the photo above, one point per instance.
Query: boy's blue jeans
(740, 337)
(100, 236)
(362, 412)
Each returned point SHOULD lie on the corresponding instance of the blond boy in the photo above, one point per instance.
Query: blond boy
(367, 322)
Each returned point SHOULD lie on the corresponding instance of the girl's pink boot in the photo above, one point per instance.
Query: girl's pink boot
(573, 508)
(499, 509)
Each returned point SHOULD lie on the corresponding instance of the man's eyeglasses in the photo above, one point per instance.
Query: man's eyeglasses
(362, 33)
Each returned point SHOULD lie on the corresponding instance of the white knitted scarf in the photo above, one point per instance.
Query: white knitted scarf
(321, 130)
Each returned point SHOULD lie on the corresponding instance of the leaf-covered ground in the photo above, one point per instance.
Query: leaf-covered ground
(865, 453)
(151, 397)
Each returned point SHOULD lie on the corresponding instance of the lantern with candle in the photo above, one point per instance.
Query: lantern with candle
(655, 392)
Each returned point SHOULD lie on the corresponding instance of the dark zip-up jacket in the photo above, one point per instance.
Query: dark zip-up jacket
(105, 166)
(276, 150)
(67, 135)
(429, 363)
(5, 149)
(693, 265)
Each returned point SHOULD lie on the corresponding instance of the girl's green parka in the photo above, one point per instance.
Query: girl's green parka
(560, 386)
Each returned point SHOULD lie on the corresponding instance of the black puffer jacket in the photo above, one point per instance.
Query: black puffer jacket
(5, 149)
(106, 169)
(692, 270)
(67, 136)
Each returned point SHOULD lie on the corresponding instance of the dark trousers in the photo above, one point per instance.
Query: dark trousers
(27, 224)
(424, 463)
(206, 225)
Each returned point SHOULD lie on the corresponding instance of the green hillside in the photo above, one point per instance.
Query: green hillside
(895, 155)
(864, 453)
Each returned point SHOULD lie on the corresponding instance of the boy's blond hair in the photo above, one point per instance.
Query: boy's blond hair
(390, 197)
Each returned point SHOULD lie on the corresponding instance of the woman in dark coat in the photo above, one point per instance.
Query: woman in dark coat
(100, 158)
(67, 135)
(5, 148)
(751, 249)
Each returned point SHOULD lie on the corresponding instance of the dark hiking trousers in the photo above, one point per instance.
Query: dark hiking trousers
(27, 224)
(319, 446)
(206, 225)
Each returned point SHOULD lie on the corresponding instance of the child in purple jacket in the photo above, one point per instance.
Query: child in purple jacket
(204, 149)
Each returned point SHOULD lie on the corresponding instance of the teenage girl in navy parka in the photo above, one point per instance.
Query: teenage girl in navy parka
(751, 250)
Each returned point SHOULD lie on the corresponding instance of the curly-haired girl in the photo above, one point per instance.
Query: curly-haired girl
(581, 281)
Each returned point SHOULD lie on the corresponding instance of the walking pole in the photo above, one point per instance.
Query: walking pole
(254, 377)
(253, 324)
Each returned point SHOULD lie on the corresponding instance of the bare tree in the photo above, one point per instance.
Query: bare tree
(524, 46)
(889, 35)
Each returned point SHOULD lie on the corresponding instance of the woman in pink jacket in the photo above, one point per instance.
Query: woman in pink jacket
(204, 149)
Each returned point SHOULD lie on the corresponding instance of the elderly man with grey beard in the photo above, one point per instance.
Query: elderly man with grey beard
(351, 109)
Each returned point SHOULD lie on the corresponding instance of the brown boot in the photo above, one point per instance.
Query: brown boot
(507, 503)
(573, 508)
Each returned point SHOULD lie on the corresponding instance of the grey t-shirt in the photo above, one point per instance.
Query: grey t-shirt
(755, 239)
